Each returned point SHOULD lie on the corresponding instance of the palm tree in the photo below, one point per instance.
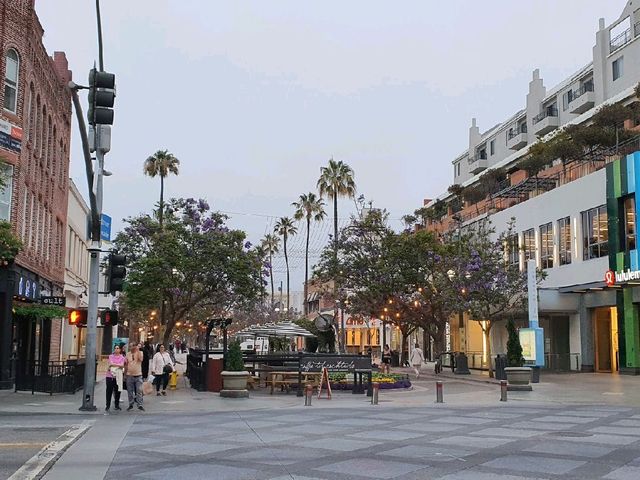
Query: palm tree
(285, 228)
(161, 163)
(271, 243)
(336, 180)
(309, 207)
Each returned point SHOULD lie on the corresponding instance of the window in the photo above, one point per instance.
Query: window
(456, 169)
(564, 245)
(6, 172)
(546, 245)
(11, 81)
(594, 233)
(513, 251)
(492, 147)
(629, 224)
(617, 68)
(529, 245)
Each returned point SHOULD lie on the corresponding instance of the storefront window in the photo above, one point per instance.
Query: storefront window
(546, 245)
(629, 235)
(595, 233)
(564, 245)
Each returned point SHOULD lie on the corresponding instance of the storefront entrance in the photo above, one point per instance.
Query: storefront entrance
(605, 321)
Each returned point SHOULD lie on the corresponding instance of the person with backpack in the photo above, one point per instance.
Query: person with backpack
(162, 366)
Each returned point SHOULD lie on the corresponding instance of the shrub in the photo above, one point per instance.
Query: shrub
(234, 361)
(514, 349)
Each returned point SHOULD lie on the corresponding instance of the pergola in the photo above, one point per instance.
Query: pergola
(280, 329)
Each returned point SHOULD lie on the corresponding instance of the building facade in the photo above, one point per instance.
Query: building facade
(35, 124)
(567, 217)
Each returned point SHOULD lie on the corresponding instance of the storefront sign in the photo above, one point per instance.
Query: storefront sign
(57, 301)
(27, 288)
(338, 363)
(10, 136)
(611, 277)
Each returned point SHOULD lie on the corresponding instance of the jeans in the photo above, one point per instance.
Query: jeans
(112, 389)
(134, 389)
(162, 379)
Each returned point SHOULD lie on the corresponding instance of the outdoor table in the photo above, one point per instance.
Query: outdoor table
(289, 377)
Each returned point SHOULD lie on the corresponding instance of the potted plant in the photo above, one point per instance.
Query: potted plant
(518, 376)
(234, 377)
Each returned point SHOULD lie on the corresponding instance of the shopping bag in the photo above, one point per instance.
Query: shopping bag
(147, 388)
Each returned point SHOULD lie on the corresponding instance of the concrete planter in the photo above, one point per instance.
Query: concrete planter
(518, 379)
(234, 384)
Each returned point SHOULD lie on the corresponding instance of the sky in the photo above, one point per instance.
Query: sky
(254, 97)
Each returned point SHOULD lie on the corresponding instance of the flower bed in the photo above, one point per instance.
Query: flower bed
(342, 381)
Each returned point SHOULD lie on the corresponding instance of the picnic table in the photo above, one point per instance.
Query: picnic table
(287, 378)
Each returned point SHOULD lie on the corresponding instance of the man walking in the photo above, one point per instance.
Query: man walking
(417, 359)
(133, 376)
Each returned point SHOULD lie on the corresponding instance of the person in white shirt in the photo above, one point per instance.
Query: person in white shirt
(161, 367)
(417, 359)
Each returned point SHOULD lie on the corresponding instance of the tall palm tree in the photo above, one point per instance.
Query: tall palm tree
(311, 208)
(285, 228)
(336, 180)
(271, 244)
(161, 163)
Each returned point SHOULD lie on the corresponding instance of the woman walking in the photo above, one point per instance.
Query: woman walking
(386, 359)
(161, 368)
(114, 377)
(417, 359)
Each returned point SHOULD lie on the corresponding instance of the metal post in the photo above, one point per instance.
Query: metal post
(439, 392)
(343, 332)
(503, 390)
(376, 391)
(94, 280)
(308, 395)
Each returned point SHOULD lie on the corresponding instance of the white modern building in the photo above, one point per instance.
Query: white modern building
(561, 214)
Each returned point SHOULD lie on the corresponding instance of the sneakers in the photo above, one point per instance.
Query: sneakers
(107, 409)
(158, 394)
(130, 408)
(118, 407)
(141, 408)
(164, 393)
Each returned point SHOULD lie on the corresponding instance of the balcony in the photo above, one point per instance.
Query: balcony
(516, 139)
(546, 121)
(478, 163)
(582, 99)
(621, 40)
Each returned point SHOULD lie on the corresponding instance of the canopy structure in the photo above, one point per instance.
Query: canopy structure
(280, 329)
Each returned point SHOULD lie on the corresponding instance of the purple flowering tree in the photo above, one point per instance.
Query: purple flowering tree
(194, 262)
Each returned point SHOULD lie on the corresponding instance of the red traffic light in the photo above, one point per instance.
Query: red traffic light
(109, 318)
(78, 317)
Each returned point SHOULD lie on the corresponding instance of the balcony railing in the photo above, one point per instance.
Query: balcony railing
(620, 40)
(477, 157)
(548, 112)
(587, 87)
(514, 133)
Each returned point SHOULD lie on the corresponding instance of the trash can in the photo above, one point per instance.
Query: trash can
(214, 374)
(173, 380)
(462, 365)
(535, 374)
(501, 363)
(395, 359)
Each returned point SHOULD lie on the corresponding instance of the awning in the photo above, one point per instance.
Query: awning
(280, 329)
(587, 287)
(313, 296)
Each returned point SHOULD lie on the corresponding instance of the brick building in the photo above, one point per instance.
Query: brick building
(35, 123)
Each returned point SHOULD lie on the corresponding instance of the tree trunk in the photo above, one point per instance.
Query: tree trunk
(286, 261)
(271, 275)
(161, 212)
(487, 332)
(306, 269)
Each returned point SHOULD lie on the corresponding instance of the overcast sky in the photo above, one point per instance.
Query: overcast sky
(254, 97)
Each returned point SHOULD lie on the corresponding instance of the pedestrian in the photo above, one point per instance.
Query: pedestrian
(147, 355)
(161, 368)
(114, 377)
(417, 359)
(172, 353)
(183, 346)
(177, 345)
(386, 359)
(133, 376)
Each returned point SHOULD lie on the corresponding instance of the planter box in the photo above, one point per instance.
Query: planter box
(234, 384)
(518, 379)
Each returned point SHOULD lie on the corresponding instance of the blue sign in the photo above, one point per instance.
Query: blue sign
(105, 228)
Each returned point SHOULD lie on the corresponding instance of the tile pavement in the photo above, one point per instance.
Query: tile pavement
(497, 443)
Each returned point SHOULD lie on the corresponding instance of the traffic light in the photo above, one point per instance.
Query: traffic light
(101, 97)
(78, 317)
(109, 318)
(116, 272)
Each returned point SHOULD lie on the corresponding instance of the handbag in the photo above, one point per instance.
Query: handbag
(147, 388)
(167, 366)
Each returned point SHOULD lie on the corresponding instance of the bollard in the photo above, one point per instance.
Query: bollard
(173, 380)
(439, 392)
(503, 390)
(307, 395)
(374, 396)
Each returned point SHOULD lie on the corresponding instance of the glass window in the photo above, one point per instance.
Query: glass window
(617, 68)
(629, 235)
(492, 147)
(529, 245)
(6, 172)
(513, 251)
(564, 245)
(594, 233)
(11, 81)
(546, 245)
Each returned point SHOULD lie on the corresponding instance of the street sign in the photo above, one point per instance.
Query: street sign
(57, 301)
(105, 228)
